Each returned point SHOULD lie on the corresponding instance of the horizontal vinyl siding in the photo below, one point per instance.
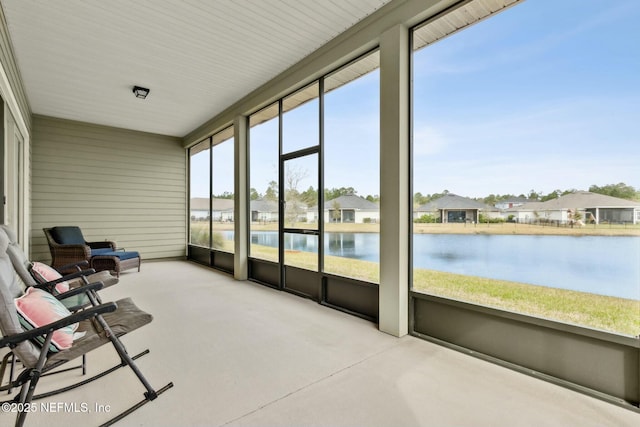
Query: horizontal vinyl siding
(115, 184)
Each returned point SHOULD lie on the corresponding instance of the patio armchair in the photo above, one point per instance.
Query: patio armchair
(43, 336)
(68, 245)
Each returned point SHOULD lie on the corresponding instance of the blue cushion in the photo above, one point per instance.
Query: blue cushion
(68, 235)
(100, 251)
(122, 254)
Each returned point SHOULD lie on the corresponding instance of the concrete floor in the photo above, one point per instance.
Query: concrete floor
(241, 354)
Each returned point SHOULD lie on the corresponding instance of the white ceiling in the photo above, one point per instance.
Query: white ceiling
(79, 59)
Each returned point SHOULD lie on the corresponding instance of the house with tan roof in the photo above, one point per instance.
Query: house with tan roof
(221, 209)
(263, 210)
(352, 209)
(591, 208)
(454, 208)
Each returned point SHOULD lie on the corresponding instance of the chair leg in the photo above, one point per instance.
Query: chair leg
(29, 379)
(135, 407)
(125, 358)
(28, 388)
(3, 368)
(12, 371)
(150, 395)
(88, 380)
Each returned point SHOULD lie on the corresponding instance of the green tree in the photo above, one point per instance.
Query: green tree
(491, 199)
(310, 196)
(436, 196)
(295, 206)
(272, 192)
(335, 211)
(620, 190)
(533, 195)
(419, 199)
(553, 195)
(254, 195)
(334, 193)
(225, 195)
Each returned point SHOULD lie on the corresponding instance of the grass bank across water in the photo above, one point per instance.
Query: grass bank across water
(455, 228)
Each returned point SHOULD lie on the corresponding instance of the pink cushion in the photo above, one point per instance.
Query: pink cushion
(43, 274)
(38, 308)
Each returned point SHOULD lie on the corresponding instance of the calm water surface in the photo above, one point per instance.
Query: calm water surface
(598, 264)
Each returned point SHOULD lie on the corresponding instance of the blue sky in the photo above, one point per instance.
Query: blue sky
(543, 96)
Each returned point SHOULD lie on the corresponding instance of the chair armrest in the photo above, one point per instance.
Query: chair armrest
(101, 245)
(13, 340)
(96, 286)
(48, 286)
(66, 254)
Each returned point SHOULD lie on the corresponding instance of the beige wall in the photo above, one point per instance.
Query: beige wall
(115, 184)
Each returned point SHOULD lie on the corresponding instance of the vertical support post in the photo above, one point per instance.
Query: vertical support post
(241, 199)
(394, 181)
(638, 396)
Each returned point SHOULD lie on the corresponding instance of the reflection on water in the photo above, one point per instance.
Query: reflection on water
(342, 244)
(300, 242)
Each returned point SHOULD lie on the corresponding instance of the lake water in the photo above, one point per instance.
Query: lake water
(597, 264)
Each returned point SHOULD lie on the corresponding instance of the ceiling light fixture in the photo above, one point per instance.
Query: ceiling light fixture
(140, 92)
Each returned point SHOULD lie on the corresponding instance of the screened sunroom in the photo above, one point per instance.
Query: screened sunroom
(275, 173)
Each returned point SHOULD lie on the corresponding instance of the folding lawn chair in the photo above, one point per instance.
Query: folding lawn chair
(42, 276)
(35, 273)
(39, 331)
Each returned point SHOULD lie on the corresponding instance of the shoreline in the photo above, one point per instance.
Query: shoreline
(507, 228)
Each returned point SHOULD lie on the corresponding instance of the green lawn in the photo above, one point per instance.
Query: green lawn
(611, 314)
(596, 311)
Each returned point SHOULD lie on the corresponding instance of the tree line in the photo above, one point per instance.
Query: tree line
(310, 195)
(620, 190)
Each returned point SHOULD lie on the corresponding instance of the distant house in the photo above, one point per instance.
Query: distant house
(312, 214)
(454, 208)
(591, 207)
(263, 210)
(222, 209)
(511, 203)
(529, 212)
(199, 208)
(352, 209)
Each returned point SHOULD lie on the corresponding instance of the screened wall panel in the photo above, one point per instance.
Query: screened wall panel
(517, 158)
(222, 191)
(115, 184)
(264, 183)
